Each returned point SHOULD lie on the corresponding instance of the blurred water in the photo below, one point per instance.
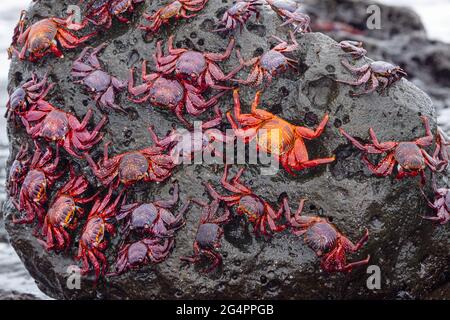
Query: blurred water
(13, 275)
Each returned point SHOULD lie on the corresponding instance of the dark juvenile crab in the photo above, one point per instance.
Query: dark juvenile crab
(88, 71)
(64, 212)
(155, 219)
(325, 240)
(93, 237)
(440, 204)
(41, 175)
(270, 63)
(150, 164)
(258, 212)
(353, 48)
(209, 234)
(172, 94)
(410, 156)
(184, 145)
(137, 254)
(199, 68)
(44, 36)
(238, 14)
(177, 9)
(23, 98)
(292, 13)
(276, 136)
(65, 129)
(374, 75)
(101, 12)
(18, 170)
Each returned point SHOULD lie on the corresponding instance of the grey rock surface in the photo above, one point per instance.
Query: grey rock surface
(413, 254)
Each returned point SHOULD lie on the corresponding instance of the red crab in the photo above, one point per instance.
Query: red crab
(56, 125)
(153, 219)
(137, 254)
(199, 68)
(325, 240)
(410, 156)
(101, 12)
(377, 74)
(150, 165)
(440, 204)
(18, 170)
(44, 36)
(270, 63)
(172, 94)
(238, 14)
(64, 212)
(186, 144)
(209, 234)
(353, 48)
(23, 98)
(41, 175)
(177, 9)
(258, 211)
(292, 13)
(276, 136)
(88, 71)
(93, 237)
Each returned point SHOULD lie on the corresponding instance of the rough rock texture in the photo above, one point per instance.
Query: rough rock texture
(412, 253)
(402, 40)
(13, 295)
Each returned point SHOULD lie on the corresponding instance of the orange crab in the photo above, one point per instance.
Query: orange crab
(44, 36)
(177, 9)
(276, 136)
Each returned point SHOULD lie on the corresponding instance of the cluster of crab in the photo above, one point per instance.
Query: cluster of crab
(180, 81)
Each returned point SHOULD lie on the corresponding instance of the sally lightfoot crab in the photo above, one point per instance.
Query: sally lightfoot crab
(93, 240)
(18, 170)
(238, 14)
(440, 203)
(270, 63)
(185, 145)
(137, 254)
(209, 234)
(150, 164)
(45, 35)
(292, 13)
(101, 12)
(177, 9)
(322, 237)
(374, 75)
(442, 153)
(41, 174)
(258, 212)
(172, 94)
(26, 96)
(199, 68)
(353, 48)
(64, 212)
(153, 219)
(65, 129)
(276, 136)
(88, 71)
(411, 157)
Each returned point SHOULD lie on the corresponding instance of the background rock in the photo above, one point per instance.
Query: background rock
(412, 253)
